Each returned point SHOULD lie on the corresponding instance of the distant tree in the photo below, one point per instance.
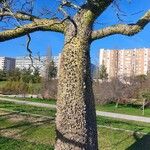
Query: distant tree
(51, 70)
(36, 76)
(26, 75)
(139, 84)
(117, 88)
(145, 95)
(49, 83)
(23, 87)
(103, 75)
(15, 87)
(50, 67)
(2, 75)
(14, 75)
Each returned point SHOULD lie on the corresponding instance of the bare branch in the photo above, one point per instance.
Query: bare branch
(37, 25)
(29, 50)
(69, 4)
(19, 15)
(23, 16)
(124, 29)
(98, 6)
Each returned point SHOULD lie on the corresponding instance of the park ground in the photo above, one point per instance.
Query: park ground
(31, 127)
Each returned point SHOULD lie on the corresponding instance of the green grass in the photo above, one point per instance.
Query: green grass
(13, 144)
(106, 121)
(121, 140)
(39, 100)
(25, 132)
(37, 134)
(4, 123)
(27, 108)
(108, 140)
(124, 124)
(124, 109)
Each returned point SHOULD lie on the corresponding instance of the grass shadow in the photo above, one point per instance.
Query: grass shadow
(14, 144)
(141, 143)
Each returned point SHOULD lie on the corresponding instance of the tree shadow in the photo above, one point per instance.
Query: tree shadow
(62, 138)
(141, 143)
(17, 144)
(24, 125)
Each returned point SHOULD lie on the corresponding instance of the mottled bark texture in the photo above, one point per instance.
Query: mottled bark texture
(76, 118)
(124, 29)
(36, 25)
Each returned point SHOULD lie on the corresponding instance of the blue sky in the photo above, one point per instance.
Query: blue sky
(41, 41)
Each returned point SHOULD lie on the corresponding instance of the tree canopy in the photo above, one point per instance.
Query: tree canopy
(26, 19)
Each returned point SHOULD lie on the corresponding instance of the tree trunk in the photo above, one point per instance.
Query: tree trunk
(117, 103)
(76, 117)
(143, 108)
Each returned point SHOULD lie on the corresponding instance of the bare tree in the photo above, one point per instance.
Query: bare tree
(49, 88)
(76, 116)
(117, 90)
(103, 73)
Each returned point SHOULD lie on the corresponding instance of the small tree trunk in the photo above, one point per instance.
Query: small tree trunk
(76, 116)
(117, 103)
(143, 111)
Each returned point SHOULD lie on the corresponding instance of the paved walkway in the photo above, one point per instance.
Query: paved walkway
(99, 113)
(123, 116)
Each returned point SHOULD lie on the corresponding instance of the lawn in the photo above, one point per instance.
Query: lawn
(27, 108)
(123, 124)
(21, 132)
(105, 121)
(39, 100)
(27, 131)
(124, 109)
(14, 144)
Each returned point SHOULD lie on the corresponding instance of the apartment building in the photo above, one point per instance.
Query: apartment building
(41, 63)
(129, 62)
(7, 63)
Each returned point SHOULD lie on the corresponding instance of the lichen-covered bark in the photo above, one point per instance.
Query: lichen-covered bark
(36, 25)
(124, 29)
(76, 118)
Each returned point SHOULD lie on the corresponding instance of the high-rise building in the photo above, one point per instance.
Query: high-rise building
(7, 63)
(129, 62)
(36, 62)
